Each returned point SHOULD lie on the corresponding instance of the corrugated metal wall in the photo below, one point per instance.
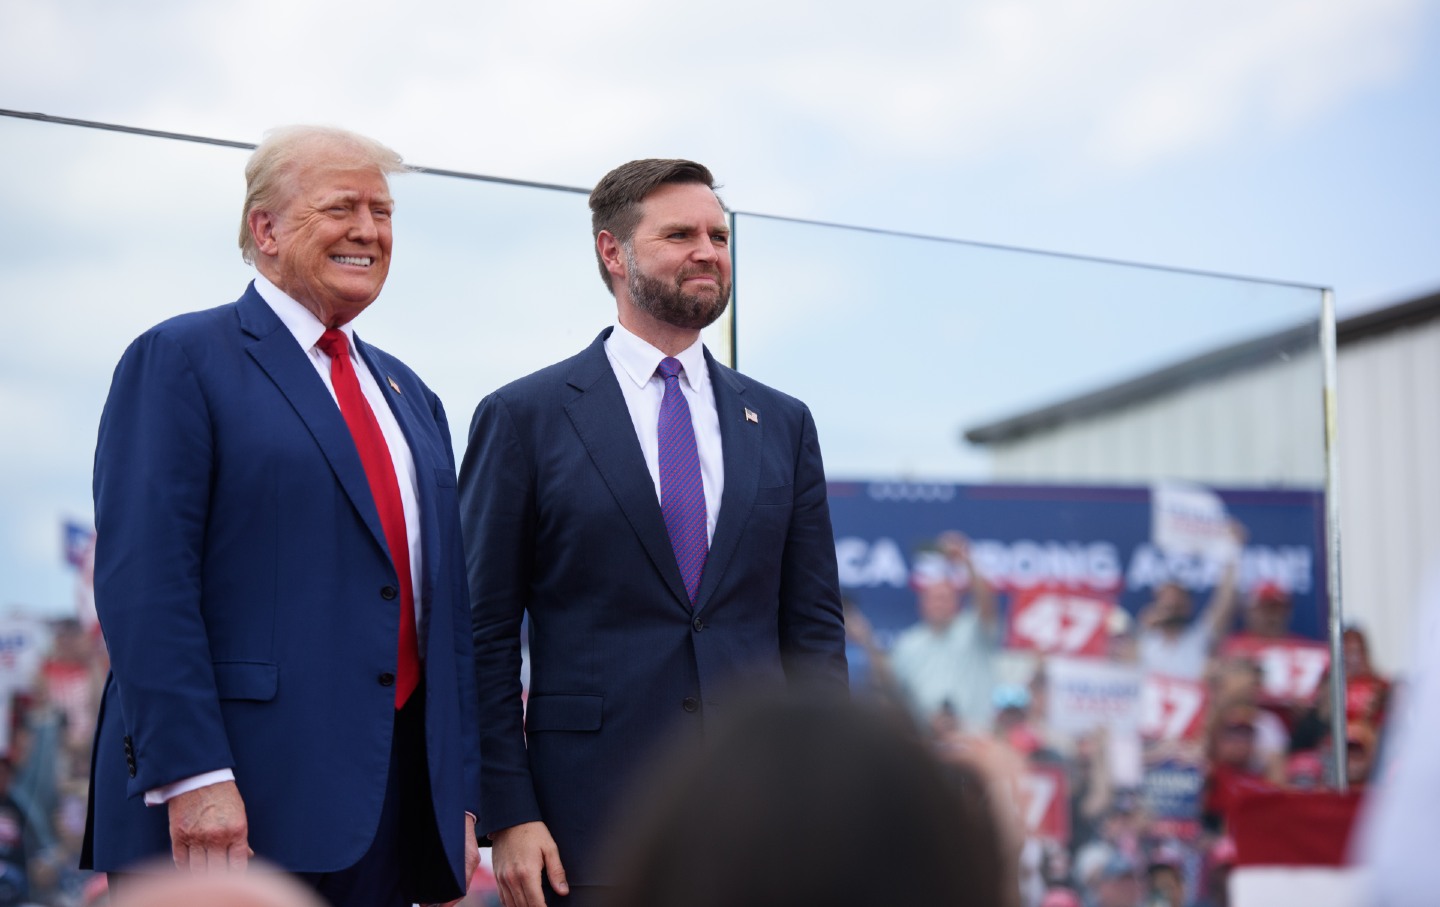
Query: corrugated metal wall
(1389, 416)
(1262, 427)
(1257, 427)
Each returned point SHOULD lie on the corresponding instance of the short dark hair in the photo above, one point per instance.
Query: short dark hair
(768, 811)
(615, 200)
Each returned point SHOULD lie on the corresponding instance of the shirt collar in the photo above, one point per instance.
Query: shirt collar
(300, 321)
(639, 359)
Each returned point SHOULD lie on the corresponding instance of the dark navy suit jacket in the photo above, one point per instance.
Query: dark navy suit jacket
(249, 603)
(562, 522)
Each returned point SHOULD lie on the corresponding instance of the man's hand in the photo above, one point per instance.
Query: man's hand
(521, 853)
(208, 830)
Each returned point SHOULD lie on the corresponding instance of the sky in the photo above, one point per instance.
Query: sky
(1294, 140)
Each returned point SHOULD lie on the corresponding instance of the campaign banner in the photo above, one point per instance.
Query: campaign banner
(1059, 621)
(1045, 802)
(1171, 708)
(1171, 793)
(1091, 540)
(1089, 693)
(1291, 669)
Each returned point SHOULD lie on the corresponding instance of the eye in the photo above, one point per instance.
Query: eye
(720, 239)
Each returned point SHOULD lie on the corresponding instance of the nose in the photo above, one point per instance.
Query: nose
(706, 250)
(363, 227)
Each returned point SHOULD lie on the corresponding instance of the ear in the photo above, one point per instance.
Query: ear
(262, 228)
(612, 255)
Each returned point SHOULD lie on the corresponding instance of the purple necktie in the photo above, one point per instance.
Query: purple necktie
(682, 491)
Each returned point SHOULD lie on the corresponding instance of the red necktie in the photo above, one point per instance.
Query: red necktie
(380, 471)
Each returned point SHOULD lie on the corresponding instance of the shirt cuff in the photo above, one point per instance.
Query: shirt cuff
(162, 795)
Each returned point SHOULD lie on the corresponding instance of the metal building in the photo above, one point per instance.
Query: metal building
(1250, 415)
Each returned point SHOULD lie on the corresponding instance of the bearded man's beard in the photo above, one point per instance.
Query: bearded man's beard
(668, 303)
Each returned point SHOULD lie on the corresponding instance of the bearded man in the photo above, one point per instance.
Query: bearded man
(660, 518)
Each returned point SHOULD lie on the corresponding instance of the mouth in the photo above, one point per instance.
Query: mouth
(705, 277)
(359, 261)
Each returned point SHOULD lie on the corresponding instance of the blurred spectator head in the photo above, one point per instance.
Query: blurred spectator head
(1055, 864)
(1118, 884)
(1165, 875)
(1305, 770)
(1356, 650)
(938, 585)
(70, 643)
(1232, 735)
(1172, 607)
(1089, 860)
(1237, 678)
(767, 814)
(1268, 613)
(256, 888)
(1012, 718)
(945, 723)
(1061, 897)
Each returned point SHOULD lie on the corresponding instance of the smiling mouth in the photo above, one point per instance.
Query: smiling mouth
(362, 261)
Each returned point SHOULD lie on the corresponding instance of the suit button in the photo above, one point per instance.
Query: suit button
(698, 624)
(690, 704)
(388, 593)
(386, 679)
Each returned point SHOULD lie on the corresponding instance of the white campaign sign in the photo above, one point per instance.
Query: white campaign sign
(1087, 693)
(1190, 519)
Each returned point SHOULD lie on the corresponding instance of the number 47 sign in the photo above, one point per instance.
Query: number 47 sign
(1171, 708)
(1059, 622)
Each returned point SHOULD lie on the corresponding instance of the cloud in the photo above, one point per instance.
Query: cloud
(561, 93)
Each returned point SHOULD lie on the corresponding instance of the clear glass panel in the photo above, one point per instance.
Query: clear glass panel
(902, 345)
(1089, 427)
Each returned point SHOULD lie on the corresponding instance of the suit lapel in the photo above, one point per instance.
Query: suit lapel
(602, 420)
(274, 349)
(740, 441)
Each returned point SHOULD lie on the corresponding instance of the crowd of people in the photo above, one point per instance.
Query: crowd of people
(1131, 806)
(52, 692)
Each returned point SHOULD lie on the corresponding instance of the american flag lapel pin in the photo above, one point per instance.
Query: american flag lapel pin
(751, 417)
(393, 386)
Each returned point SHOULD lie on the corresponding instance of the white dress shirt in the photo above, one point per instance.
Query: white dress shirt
(306, 329)
(635, 362)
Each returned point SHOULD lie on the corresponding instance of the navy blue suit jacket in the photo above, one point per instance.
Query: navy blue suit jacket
(249, 602)
(562, 521)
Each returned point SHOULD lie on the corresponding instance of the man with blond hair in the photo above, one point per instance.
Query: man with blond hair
(279, 572)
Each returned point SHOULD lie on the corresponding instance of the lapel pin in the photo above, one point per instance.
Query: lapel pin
(751, 417)
(393, 386)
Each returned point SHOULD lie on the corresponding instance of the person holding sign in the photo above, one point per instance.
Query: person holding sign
(1173, 644)
(944, 662)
